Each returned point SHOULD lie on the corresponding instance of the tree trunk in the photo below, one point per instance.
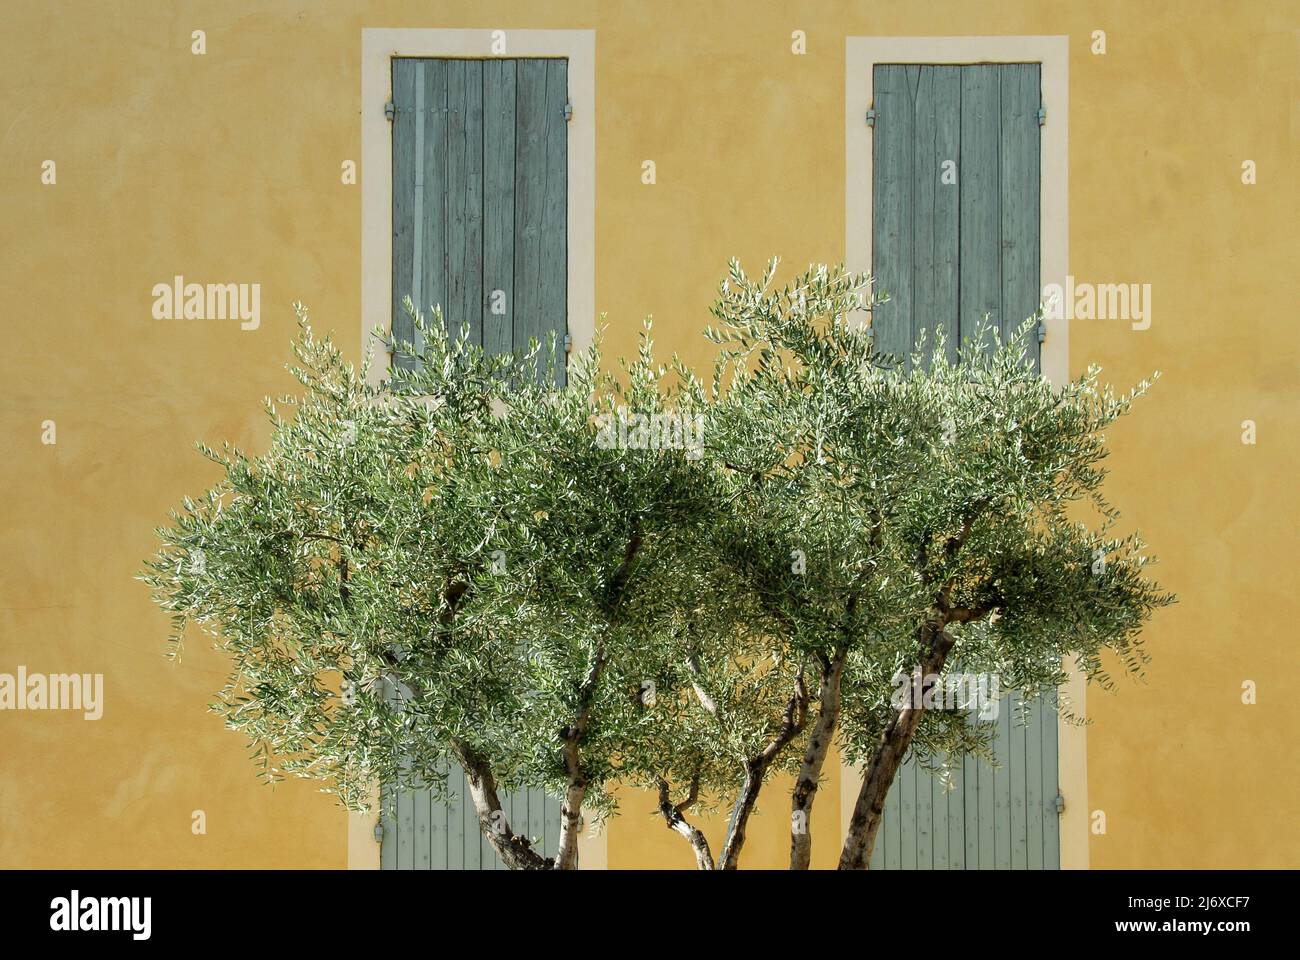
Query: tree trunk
(731, 847)
(516, 852)
(677, 822)
(566, 857)
(814, 757)
(888, 757)
(792, 724)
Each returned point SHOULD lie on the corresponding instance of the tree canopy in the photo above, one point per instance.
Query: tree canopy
(573, 578)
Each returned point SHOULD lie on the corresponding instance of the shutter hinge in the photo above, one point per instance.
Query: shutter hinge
(390, 110)
(1042, 332)
(568, 111)
(871, 117)
(568, 343)
(1042, 116)
(1059, 803)
(379, 831)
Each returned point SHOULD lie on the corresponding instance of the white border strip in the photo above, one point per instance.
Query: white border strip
(378, 47)
(861, 55)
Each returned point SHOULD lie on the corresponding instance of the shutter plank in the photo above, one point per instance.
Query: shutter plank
(1035, 716)
(405, 823)
(937, 206)
(892, 826)
(438, 825)
(541, 285)
(1002, 788)
(971, 810)
(940, 820)
(421, 837)
(957, 819)
(555, 229)
(456, 819)
(1018, 753)
(551, 835)
(907, 814)
(464, 193)
(529, 197)
(980, 285)
(499, 202)
(537, 819)
(986, 814)
(433, 247)
(924, 819)
(892, 208)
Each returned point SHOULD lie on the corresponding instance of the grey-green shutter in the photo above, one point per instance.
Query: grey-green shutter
(422, 833)
(1000, 817)
(947, 254)
(480, 187)
(480, 181)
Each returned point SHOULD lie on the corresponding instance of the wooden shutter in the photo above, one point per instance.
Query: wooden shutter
(480, 181)
(994, 817)
(422, 833)
(947, 254)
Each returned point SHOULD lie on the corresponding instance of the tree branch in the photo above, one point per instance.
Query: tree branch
(814, 757)
(935, 643)
(566, 856)
(707, 702)
(514, 850)
(793, 719)
(675, 819)
(888, 756)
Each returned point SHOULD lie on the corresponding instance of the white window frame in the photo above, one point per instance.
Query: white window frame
(379, 46)
(1053, 53)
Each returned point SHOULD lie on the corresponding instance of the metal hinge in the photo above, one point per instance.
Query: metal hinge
(1042, 116)
(379, 832)
(568, 343)
(1042, 332)
(871, 117)
(390, 110)
(1060, 804)
(568, 111)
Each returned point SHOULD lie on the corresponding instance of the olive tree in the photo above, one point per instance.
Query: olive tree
(566, 578)
(468, 564)
(903, 516)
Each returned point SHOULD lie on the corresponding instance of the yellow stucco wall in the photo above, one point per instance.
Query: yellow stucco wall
(225, 167)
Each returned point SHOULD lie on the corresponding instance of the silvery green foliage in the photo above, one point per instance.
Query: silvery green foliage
(458, 556)
(964, 493)
(454, 555)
